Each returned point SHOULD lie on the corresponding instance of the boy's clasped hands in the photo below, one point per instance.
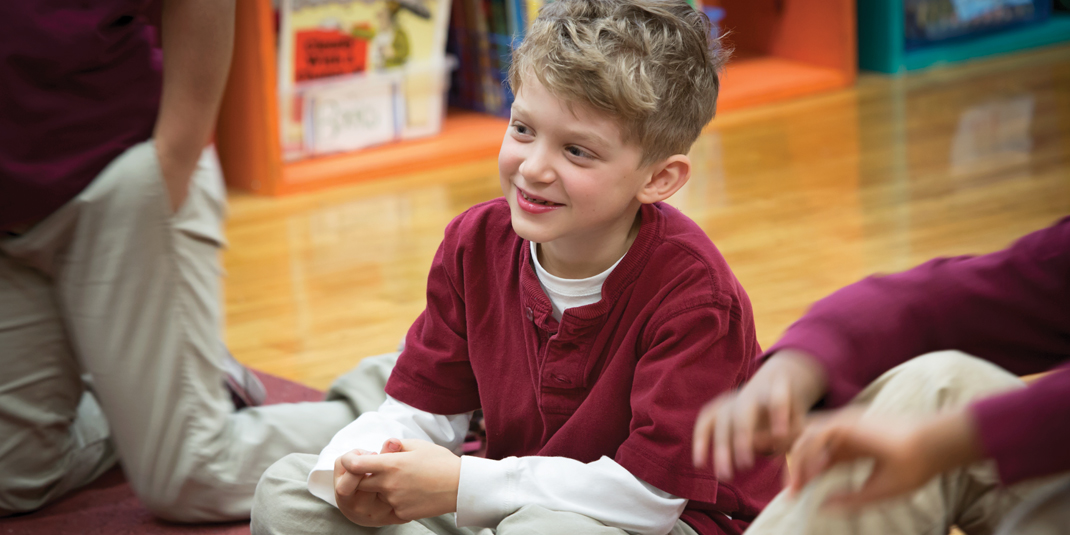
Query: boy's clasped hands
(408, 480)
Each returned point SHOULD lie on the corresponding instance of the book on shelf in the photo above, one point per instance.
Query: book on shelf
(482, 36)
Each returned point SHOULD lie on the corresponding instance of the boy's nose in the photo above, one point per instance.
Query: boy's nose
(536, 167)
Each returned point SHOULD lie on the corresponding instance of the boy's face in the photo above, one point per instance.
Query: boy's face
(567, 174)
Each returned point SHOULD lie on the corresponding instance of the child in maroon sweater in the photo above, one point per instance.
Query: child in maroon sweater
(586, 319)
(923, 423)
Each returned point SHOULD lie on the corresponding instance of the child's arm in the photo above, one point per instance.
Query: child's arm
(603, 490)
(425, 480)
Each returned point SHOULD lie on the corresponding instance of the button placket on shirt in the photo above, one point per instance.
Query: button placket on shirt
(560, 364)
(561, 360)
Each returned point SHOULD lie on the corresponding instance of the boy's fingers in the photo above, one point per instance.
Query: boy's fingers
(346, 484)
(415, 444)
(392, 445)
(338, 468)
(388, 514)
(365, 464)
(366, 509)
(373, 484)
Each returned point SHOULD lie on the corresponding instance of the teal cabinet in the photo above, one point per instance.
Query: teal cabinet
(882, 43)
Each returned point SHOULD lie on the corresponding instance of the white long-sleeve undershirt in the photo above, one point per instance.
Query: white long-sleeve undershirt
(490, 490)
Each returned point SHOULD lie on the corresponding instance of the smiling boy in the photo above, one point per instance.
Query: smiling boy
(586, 319)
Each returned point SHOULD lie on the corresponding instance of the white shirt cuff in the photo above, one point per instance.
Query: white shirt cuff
(486, 493)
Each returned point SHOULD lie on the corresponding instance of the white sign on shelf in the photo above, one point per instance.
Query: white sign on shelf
(342, 117)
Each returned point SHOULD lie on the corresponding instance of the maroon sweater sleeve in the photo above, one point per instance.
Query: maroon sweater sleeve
(1011, 307)
(1025, 431)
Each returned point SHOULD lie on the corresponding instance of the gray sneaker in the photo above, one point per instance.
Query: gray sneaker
(245, 387)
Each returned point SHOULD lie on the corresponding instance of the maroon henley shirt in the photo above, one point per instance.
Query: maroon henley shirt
(623, 378)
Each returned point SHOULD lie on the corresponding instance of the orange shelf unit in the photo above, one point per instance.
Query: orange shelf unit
(784, 49)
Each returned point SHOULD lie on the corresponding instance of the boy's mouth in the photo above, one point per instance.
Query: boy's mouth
(537, 200)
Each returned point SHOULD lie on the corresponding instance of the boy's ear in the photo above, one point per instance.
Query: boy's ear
(667, 178)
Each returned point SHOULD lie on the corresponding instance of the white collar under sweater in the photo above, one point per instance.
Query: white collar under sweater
(568, 293)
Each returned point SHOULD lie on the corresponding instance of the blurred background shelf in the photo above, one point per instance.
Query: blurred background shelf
(779, 56)
(882, 44)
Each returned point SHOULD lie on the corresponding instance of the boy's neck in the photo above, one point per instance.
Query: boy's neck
(580, 258)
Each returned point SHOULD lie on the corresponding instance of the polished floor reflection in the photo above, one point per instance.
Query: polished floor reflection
(802, 198)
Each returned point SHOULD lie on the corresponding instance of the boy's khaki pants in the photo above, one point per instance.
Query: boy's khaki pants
(284, 506)
(111, 347)
(970, 498)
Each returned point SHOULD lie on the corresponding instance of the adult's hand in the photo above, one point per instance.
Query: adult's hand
(362, 507)
(764, 416)
(418, 482)
(177, 163)
(907, 452)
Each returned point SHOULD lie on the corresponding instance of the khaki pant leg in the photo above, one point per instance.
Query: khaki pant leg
(138, 290)
(53, 436)
(364, 388)
(970, 498)
(284, 506)
(1045, 511)
(537, 520)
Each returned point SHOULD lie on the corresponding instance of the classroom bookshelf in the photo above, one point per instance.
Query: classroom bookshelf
(784, 49)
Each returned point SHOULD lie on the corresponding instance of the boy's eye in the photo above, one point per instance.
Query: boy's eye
(520, 129)
(578, 152)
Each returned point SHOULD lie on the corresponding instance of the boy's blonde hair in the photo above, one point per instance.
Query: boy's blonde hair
(649, 63)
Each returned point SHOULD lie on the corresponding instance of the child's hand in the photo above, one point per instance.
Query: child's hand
(362, 507)
(418, 482)
(907, 452)
(765, 415)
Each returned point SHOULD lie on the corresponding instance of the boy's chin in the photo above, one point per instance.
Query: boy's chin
(524, 229)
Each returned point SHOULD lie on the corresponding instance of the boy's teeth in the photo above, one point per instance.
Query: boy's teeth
(536, 201)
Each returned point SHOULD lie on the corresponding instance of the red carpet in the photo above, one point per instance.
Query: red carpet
(108, 506)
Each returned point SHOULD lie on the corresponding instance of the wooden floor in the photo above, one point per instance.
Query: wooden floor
(801, 198)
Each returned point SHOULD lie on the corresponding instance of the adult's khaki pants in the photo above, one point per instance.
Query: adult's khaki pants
(111, 348)
(970, 498)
